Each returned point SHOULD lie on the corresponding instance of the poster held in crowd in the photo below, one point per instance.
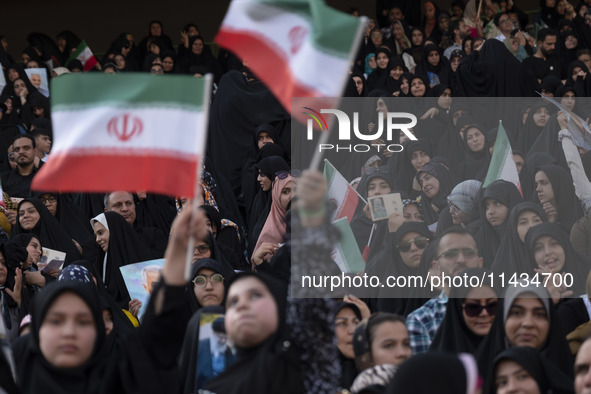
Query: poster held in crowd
(140, 279)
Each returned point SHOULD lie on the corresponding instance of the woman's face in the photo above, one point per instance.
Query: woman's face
(560, 7)
(358, 84)
(372, 63)
(396, 72)
(12, 74)
(430, 184)
(397, 31)
(412, 257)
(381, 108)
(571, 42)
(433, 58)
(549, 253)
(511, 377)
(19, 87)
(50, 202)
(444, 101)
(345, 322)
(102, 235)
(544, 187)
(28, 216)
(496, 212)
(378, 187)
(120, 61)
(479, 296)
(457, 215)
(404, 86)
(107, 319)
(527, 323)
(167, 64)
(382, 60)
(197, 47)
(525, 221)
(519, 160)
(390, 343)
(541, 116)
(68, 332)
(286, 194)
(568, 100)
(429, 10)
(417, 87)
(467, 47)
(251, 313)
(376, 38)
(418, 159)
(576, 72)
(210, 294)
(155, 49)
(475, 139)
(34, 250)
(416, 37)
(412, 213)
(264, 182)
(156, 29)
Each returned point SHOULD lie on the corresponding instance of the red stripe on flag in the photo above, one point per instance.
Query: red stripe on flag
(90, 63)
(349, 205)
(104, 173)
(265, 60)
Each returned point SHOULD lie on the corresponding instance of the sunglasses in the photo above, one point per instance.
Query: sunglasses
(420, 242)
(474, 310)
(453, 254)
(202, 248)
(381, 170)
(201, 280)
(284, 174)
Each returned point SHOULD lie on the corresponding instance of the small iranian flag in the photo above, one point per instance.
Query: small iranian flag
(502, 165)
(298, 48)
(126, 132)
(84, 54)
(340, 192)
(346, 254)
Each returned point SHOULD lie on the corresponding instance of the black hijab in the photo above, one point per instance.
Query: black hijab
(548, 378)
(439, 201)
(574, 264)
(512, 256)
(348, 368)
(567, 204)
(476, 162)
(379, 77)
(427, 71)
(402, 165)
(50, 232)
(489, 238)
(219, 267)
(453, 335)
(83, 379)
(155, 211)
(250, 372)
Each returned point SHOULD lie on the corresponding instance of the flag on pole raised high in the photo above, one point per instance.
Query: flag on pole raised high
(84, 54)
(126, 132)
(502, 165)
(298, 48)
(341, 193)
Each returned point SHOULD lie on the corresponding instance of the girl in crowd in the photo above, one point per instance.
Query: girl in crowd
(436, 183)
(468, 317)
(347, 317)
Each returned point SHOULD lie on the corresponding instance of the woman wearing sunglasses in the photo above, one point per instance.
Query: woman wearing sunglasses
(468, 318)
(401, 257)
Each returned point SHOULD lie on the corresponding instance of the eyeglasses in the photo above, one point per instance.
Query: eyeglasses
(381, 170)
(420, 242)
(50, 199)
(201, 280)
(202, 248)
(284, 174)
(453, 254)
(474, 310)
(453, 206)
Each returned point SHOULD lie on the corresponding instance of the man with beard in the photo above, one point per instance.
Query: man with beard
(545, 62)
(459, 30)
(17, 183)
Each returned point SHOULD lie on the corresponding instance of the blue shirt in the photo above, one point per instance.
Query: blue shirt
(423, 323)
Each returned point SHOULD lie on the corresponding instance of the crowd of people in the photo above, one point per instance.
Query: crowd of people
(235, 326)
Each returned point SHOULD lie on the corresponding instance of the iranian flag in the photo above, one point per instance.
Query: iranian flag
(502, 165)
(346, 254)
(126, 132)
(84, 54)
(298, 48)
(340, 192)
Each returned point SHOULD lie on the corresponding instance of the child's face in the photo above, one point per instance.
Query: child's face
(251, 313)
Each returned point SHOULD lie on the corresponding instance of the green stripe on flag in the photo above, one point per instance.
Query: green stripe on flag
(79, 49)
(502, 146)
(77, 91)
(333, 32)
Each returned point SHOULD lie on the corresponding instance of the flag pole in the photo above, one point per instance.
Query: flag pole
(317, 158)
(201, 142)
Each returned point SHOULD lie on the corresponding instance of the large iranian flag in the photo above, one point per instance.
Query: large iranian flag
(298, 48)
(84, 54)
(340, 192)
(126, 132)
(502, 165)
